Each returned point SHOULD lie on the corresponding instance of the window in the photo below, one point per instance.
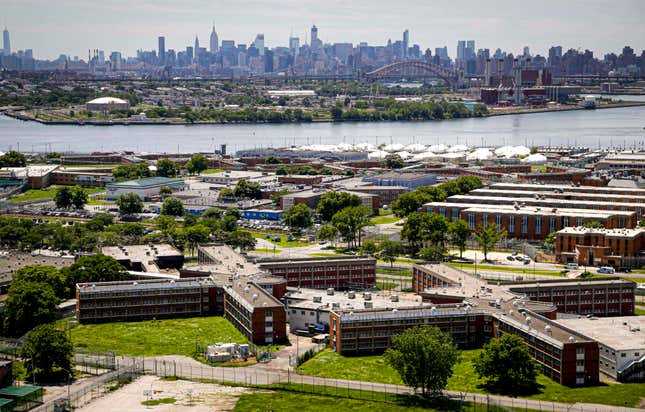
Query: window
(485, 219)
(455, 214)
(565, 222)
(498, 220)
(580, 221)
(471, 221)
(538, 225)
(511, 224)
(551, 224)
(525, 224)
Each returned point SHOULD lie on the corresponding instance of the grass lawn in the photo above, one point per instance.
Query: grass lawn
(48, 193)
(639, 311)
(406, 261)
(526, 270)
(283, 243)
(323, 254)
(207, 171)
(266, 250)
(382, 220)
(394, 271)
(374, 369)
(155, 337)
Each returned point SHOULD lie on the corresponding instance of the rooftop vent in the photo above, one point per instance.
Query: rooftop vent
(394, 298)
(330, 291)
(317, 299)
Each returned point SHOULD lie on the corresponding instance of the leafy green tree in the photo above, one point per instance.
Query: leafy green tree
(129, 203)
(369, 248)
(126, 172)
(247, 190)
(226, 194)
(393, 161)
(13, 159)
(424, 357)
(197, 164)
(47, 353)
(332, 202)
(97, 268)
(43, 274)
(421, 227)
(28, 304)
(172, 206)
(480, 110)
(100, 222)
(507, 365)
(337, 112)
(389, 250)
(298, 217)
(350, 223)
(593, 224)
(79, 197)
(432, 253)
(63, 197)
(411, 202)
(165, 191)
(487, 237)
(242, 239)
(196, 235)
(327, 233)
(167, 168)
(458, 231)
(233, 212)
(212, 212)
(166, 224)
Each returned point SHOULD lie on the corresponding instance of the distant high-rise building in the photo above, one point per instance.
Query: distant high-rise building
(214, 41)
(406, 43)
(6, 49)
(461, 50)
(259, 43)
(101, 56)
(294, 45)
(268, 61)
(189, 53)
(470, 49)
(162, 50)
(527, 51)
(196, 49)
(316, 43)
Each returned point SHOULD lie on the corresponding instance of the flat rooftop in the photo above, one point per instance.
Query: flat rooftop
(619, 333)
(550, 201)
(128, 285)
(528, 193)
(532, 210)
(304, 298)
(553, 187)
(619, 233)
(141, 252)
(226, 260)
(251, 296)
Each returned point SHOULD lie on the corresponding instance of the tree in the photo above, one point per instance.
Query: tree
(43, 274)
(165, 191)
(389, 250)
(487, 237)
(245, 189)
(327, 233)
(423, 357)
(233, 212)
(333, 202)
(393, 161)
(350, 223)
(369, 248)
(593, 224)
(197, 164)
(212, 212)
(195, 235)
(226, 194)
(63, 197)
(458, 231)
(507, 365)
(46, 351)
(89, 269)
(421, 227)
(29, 304)
(172, 206)
(79, 197)
(166, 224)
(13, 159)
(129, 203)
(167, 168)
(298, 216)
(432, 253)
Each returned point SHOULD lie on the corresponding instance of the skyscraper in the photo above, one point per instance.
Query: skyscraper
(470, 49)
(6, 49)
(406, 43)
(214, 41)
(196, 50)
(316, 43)
(162, 50)
(259, 43)
(294, 45)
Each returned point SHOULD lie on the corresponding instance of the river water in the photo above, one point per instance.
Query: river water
(622, 127)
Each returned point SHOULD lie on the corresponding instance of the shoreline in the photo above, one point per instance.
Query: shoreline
(126, 122)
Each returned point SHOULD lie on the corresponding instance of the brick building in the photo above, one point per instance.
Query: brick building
(313, 196)
(322, 273)
(601, 247)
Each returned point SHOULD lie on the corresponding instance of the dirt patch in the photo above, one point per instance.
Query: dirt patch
(188, 396)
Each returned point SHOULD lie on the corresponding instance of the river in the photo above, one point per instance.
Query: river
(593, 128)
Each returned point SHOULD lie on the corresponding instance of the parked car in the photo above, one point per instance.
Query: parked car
(510, 257)
(606, 269)
(624, 269)
(571, 266)
(526, 260)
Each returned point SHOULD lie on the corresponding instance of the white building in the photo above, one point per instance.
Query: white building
(144, 188)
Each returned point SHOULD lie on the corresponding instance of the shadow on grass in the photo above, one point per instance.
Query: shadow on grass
(500, 389)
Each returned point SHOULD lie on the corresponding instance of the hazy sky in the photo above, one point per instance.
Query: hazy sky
(52, 27)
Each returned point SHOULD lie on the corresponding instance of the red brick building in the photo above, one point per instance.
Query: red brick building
(601, 247)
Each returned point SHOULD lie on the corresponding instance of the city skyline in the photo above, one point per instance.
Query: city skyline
(441, 24)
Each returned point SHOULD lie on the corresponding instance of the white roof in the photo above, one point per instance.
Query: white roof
(107, 100)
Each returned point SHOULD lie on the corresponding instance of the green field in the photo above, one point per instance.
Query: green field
(155, 337)
(266, 250)
(639, 311)
(283, 243)
(329, 364)
(323, 254)
(382, 220)
(48, 193)
(208, 171)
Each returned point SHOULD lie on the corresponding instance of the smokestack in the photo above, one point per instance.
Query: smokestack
(487, 74)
